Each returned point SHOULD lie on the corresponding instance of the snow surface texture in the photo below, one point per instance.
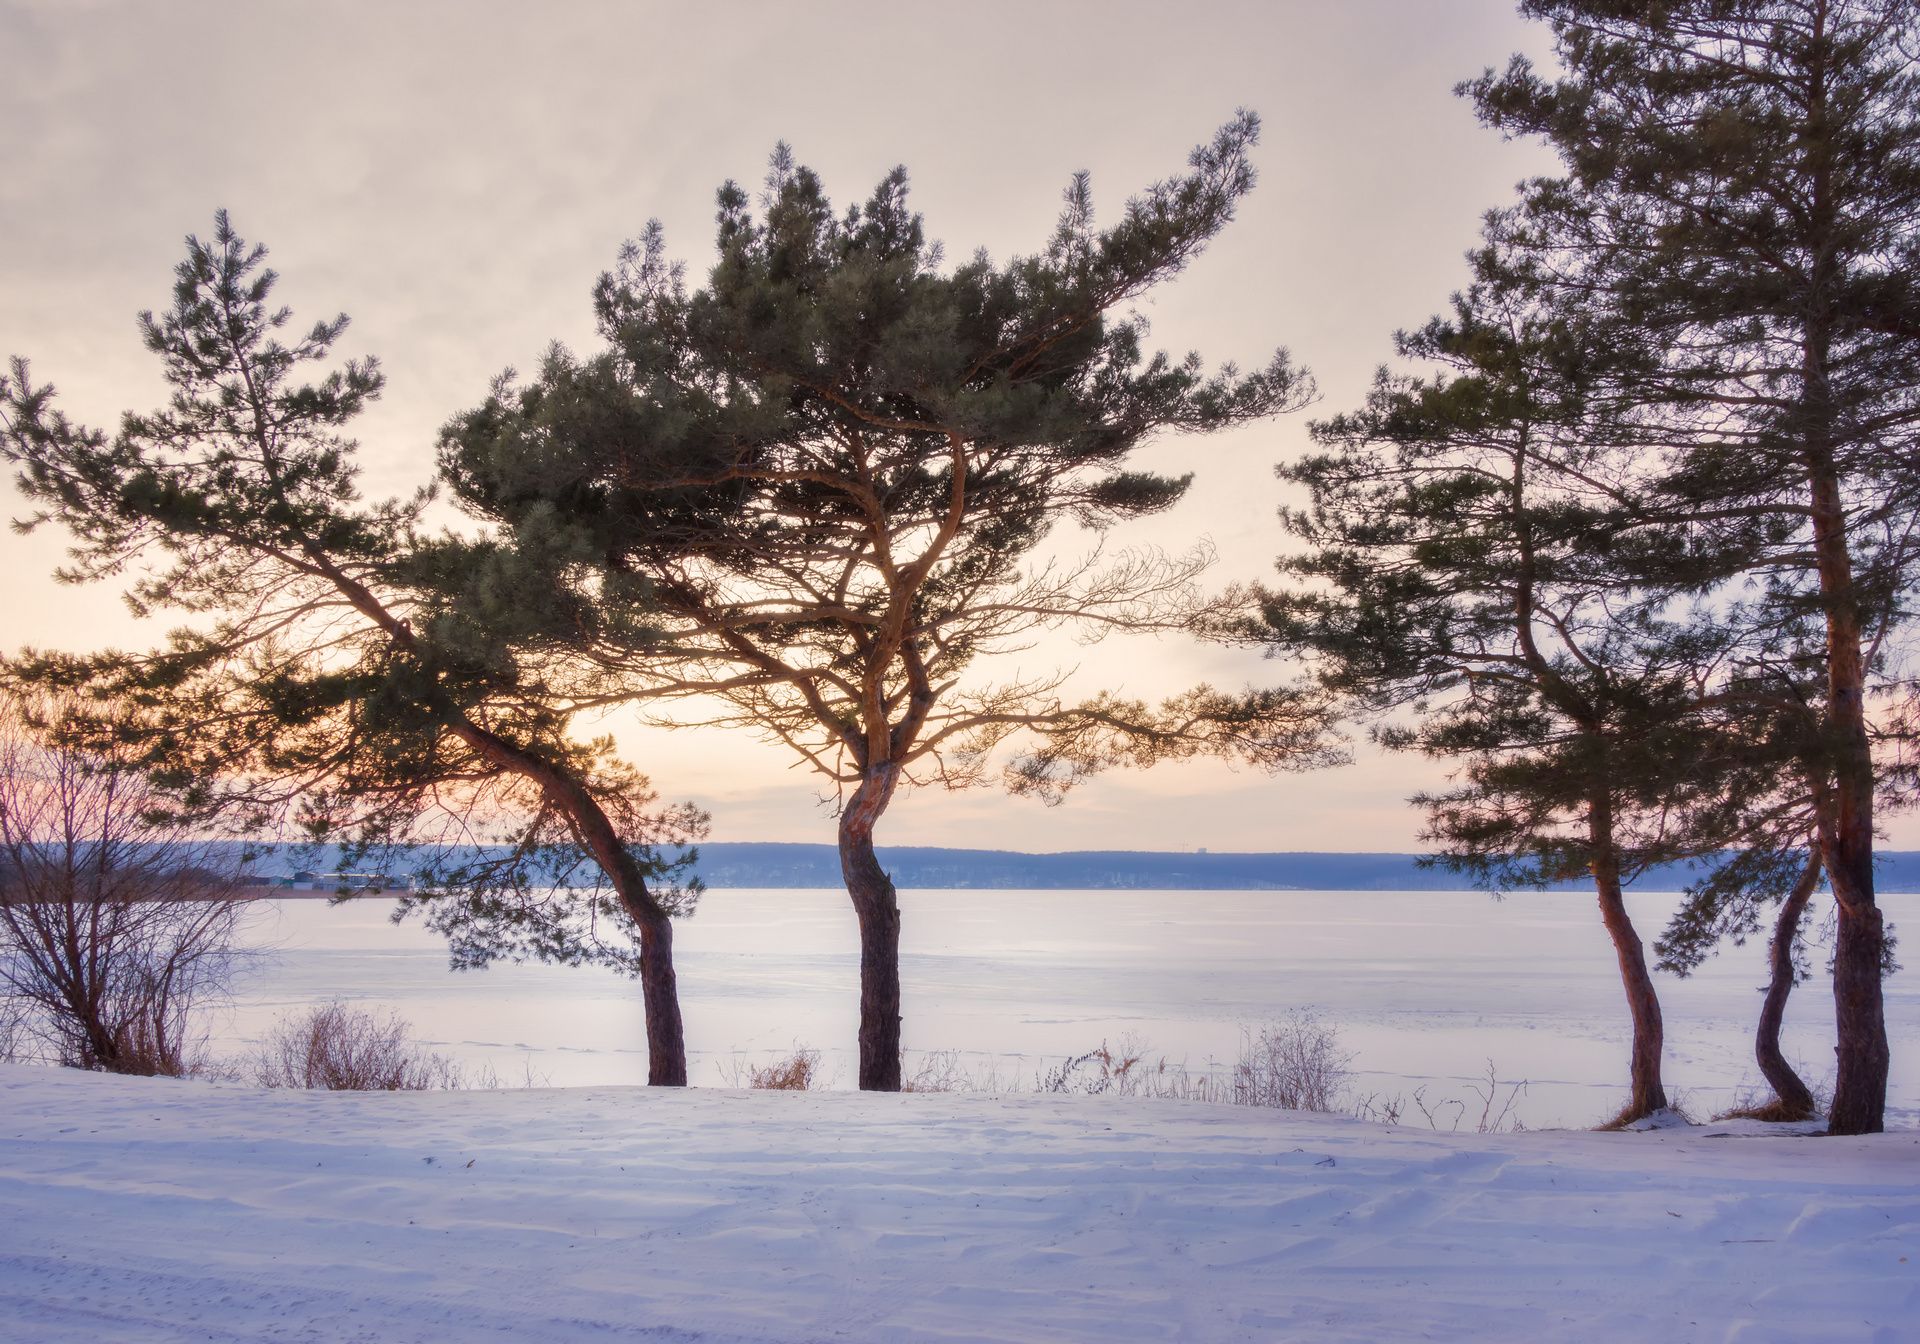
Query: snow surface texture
(143, 1210)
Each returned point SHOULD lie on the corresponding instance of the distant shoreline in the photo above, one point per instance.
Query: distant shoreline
(776, 866)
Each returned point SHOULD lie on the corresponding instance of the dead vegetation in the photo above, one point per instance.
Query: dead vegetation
(118, 922)
(1491, 1109)
(796, 1071)
(338, 1047)
(1764, 1105)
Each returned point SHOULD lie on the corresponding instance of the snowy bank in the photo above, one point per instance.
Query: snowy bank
(145, 1210)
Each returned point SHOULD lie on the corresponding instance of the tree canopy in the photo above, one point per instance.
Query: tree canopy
(341, 673)
(1740, 195)
(810, 496)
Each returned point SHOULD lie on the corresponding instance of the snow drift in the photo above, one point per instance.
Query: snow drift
(146, 1210)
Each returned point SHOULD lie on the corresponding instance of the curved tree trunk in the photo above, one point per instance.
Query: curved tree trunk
(1845, 827)
(659, 987)
(660, 995)
(1648, 1093)
(1793, 1098)
(878, 910)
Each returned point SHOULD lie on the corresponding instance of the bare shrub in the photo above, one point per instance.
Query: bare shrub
(939, 1071)
(1294, 1064)
(486, 1078)
(796, 1071)
(1379, 1108)
(1496, 1105)
(117, 921)
(1495, 1099)
(13, 1029)
(338, 1047)
(954, 1071)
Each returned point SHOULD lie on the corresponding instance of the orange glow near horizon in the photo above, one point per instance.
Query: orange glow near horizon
(455, 176)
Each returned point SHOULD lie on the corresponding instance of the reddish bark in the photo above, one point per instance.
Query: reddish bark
(1793, 1098)
(877, 907)
(1845, 817)
(659, 987)
(1648, 1094)
(1845, 823)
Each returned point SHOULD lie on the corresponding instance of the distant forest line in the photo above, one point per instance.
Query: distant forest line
(818, 865)
(750, 864)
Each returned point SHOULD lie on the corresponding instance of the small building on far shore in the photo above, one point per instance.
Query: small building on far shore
(355, 884)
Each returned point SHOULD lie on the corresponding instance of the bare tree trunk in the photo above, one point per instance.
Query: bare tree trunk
(102, 1051)
(659, 988)
(1861, 1052)
(1648, 1093)
(660, 994)
(878, 910)
(1845, 821)
(1793, 1098)
(1846, 838)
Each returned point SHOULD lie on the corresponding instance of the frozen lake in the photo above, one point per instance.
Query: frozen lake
(1425, 988)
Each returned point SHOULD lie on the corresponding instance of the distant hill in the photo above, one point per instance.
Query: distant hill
(792, 865)
(813, 865)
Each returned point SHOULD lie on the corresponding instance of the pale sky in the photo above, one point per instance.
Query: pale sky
(455, 175)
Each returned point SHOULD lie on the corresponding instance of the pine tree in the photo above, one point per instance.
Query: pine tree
(344, 672)
(810, 491)
(1460, 586)
(1741, 191)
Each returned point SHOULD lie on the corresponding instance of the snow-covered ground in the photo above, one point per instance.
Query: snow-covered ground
(138, 1211)
(1425, 987)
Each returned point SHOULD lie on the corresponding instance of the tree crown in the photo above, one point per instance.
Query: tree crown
(810, 490)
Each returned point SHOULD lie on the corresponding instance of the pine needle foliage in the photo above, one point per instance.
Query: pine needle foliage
(1461, 587)
(339, 676)
(813, 496)
(1740, 194)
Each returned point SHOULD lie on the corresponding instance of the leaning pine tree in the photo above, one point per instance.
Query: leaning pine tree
(1458, 584)
(1741, 193)
(807, 498)
(347, 674)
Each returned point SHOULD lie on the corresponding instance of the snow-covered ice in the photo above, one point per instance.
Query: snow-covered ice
(140, 1211)
(1425, 987)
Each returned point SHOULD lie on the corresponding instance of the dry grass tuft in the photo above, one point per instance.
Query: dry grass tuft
(1773, 1111)
(1761, 1104)
(340, 1048)
(798, 1071)
(1626, 1117)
